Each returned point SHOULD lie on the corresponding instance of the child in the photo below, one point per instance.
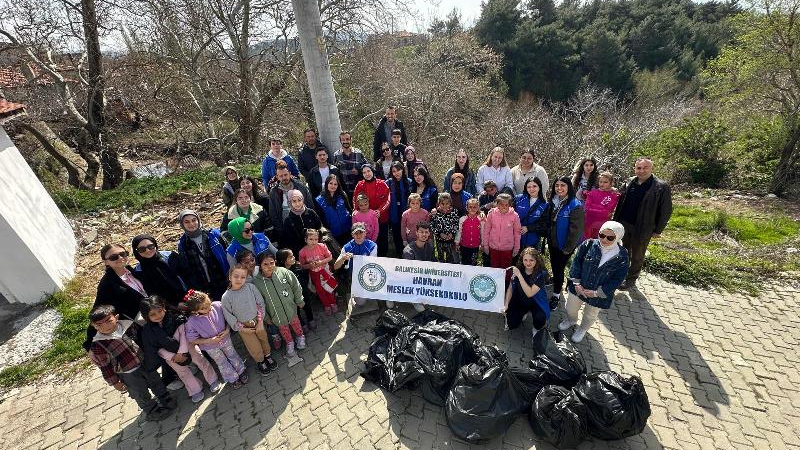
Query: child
(114, 350)
(285, 258)
(206, 328)
(501, 233)
(163, 336)
(245, 258)
(283, 296)
(243, 307)
(444, 225)
(367, 217)
(360, 245)
(600, 204)
(315, 257)
(470, 232)
(411, 217)
(526, 293)
(488, 197)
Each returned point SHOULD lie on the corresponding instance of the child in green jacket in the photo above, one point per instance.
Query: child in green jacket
(282, 295)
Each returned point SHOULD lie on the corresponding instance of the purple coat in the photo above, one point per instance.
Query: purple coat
(208, 326)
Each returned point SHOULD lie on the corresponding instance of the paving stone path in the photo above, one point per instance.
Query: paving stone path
(721, 371)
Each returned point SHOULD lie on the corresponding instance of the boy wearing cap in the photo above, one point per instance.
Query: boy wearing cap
(359, 245)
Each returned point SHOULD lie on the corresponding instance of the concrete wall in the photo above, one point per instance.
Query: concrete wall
(37, 244)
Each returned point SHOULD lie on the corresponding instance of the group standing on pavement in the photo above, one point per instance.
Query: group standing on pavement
(284, 244)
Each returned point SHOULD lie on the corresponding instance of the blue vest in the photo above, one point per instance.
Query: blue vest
(540, 297)
(399, 200)
(216, 248)
(260, 244)
(427, 198)
(336, 218)
(527, 217)
(562, 222)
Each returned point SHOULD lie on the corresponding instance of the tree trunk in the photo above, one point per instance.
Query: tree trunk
(246, 126)
(58, 149)
(320, 82)
(785, 168)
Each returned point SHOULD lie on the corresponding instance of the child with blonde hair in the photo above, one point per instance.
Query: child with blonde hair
(411, 217)
(501, 233)
(367, 217)
(444, 226)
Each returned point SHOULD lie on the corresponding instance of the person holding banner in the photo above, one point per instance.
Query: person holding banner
(419, 250)
(526, 293)
(360, 245)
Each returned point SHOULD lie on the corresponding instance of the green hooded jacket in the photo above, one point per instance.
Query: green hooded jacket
(282, 295)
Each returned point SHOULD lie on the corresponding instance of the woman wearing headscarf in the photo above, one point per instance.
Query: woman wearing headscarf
(202, 261)
(158, 270)
(230, 185)
(599, 267)
(245, 237)
(300, 219)
(377, 191)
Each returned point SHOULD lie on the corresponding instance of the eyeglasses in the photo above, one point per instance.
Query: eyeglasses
(117, 256)
(606, 237)
(144, 248)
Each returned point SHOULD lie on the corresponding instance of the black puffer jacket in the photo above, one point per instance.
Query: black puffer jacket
(380, 137)
(156, 337)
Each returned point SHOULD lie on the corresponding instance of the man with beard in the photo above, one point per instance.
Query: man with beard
(419, 250)
(279, 201)
(349, 161)
(384, 129)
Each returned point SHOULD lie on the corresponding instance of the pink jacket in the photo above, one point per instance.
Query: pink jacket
(501, 231)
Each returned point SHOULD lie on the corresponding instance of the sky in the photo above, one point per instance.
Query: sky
(428, 9)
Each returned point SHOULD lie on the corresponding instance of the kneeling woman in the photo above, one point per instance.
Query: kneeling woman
(526, 293)
(599, 267)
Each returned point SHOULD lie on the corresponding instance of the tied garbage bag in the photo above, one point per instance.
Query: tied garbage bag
(390, 322)
(533, 380)
(376, 366)
(560, 361)
(442, 348)
(558, 417)
(484, 401)
(427, 316)
(617, 407)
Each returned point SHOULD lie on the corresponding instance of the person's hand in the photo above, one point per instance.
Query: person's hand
(578, 289)
(301, 305)
(514, 253)
(377, 213)
(503, 310)
(348, 256)
(656, 235)
(433, 211)
(588, 293)
(120, 386)
(179, 358)
(523, 230)
(515, 272)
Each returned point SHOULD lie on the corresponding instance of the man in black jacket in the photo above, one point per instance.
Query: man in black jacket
(320, 172)
(644, 208)
(307, 156)
(383, 132)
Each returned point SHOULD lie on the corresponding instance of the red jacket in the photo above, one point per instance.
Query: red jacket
(379, 196)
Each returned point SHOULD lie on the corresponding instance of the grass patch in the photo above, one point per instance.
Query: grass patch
(745, 229)
(67, 339)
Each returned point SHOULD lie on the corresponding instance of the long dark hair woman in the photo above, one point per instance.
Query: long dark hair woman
(461, 165)
(526, 292)
(158, 270)
(426, 188)
(334, 209)
(566, 229)
(400, 188)
(532, 209)
(584, 177)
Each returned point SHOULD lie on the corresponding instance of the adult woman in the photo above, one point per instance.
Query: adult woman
(230, 185)
(461, 166)
(334, 209)
(299, 220)
(566, 228)
(426, 188)
(495, 168)
(202, 263)
(379, 198)
(584, 177)
(383, 165)
(532, 209)
(457, 194)
(399, 188)
(412, 162)
(527, 168)
(244, 207)
(158, 270)
(257, 194)
(245, 237)
(526, 292)
(599, 267)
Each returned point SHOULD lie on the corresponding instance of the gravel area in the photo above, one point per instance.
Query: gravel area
(34, 336)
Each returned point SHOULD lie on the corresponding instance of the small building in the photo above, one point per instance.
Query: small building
(38, 249)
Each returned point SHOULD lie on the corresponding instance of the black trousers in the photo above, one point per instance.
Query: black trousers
(636, 247)
(397, 238)
(558, 262)
(139, 383)
(383, 239)
(469, 256)
(516, 312)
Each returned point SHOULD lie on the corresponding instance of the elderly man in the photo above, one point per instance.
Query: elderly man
(644, 208)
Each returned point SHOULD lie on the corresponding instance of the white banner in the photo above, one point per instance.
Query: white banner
(431, 283)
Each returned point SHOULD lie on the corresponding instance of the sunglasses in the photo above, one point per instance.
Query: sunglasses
(144, 248)
(117, 256)
(608, 238)
(247, 230)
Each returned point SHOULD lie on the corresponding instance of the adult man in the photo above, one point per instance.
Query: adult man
(320, 172)
(276, 153)
(383, 131)
(349, 161)
(279, 201)
(527, 168)
(419, 250)
(307, 156)
(644, 208)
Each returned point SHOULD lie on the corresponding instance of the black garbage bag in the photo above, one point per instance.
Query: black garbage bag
(376, 367)
(404, 370)
(558, 417)
(390, 322)
(617, 407)
(484, 401)
(490, 354)
(561, 362)
(533, 380)
(428, 316)
(445, 347)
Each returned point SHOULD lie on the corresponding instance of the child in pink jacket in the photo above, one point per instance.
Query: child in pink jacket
(599, 206)
(501, 233)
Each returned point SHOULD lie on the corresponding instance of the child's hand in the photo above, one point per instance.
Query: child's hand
(179, 358)
(120, 386)
(523, 230)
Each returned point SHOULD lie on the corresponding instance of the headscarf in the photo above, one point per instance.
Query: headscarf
(292, 194)
(617, 228)
(189, 212)
(372, 168)
(156, 274)
(236, 227)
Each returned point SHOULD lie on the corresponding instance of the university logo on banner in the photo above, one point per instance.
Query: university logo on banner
(449, 285)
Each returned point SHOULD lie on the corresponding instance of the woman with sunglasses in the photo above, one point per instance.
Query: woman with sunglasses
(599, 267)
(158, 271)
(244, 236)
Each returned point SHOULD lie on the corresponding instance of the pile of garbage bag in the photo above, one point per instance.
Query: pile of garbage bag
(483, 396)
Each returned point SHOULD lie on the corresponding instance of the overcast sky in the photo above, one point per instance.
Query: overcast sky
(428, 9)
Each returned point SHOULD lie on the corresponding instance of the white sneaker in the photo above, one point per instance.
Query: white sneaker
(419, 307)
(301, 342)
(578, 335)
(175, 385)
(566, 325)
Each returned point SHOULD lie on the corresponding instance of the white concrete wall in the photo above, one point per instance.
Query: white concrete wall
(37, 244)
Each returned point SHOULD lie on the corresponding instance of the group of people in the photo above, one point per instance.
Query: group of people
(285, 239)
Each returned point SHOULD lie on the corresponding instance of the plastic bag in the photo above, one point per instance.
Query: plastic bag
(427, 316)
(445, 347)
(561, 362)
(559, 417)
(533, 380)
(377, 363)
(390, 322)
(617, 407)
(484, 401)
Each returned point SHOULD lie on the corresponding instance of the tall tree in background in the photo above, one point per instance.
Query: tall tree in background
(760, 71)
